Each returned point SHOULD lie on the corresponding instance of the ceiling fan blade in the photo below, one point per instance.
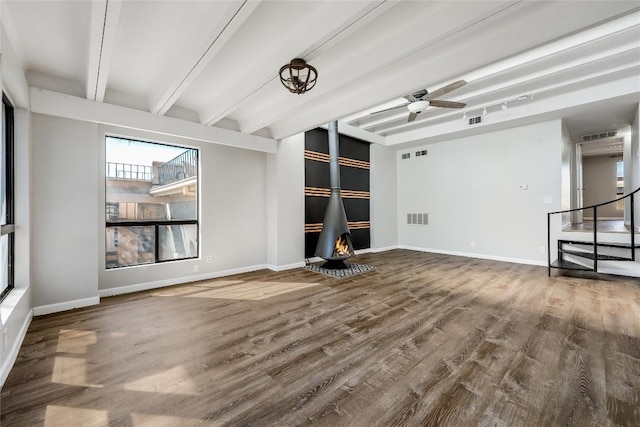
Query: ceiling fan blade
(446, 89)
(446, 104)
(412, 117)
(390, 109)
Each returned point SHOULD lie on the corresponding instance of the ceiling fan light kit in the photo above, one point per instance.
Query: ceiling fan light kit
(298, 76)
(419, 101)
(418, 107)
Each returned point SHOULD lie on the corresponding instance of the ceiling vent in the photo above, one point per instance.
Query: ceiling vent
(600, 135)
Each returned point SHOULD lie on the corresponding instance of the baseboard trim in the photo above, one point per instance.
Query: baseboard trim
(385, 249)
(286, 266)
(12, 355)
(109, 292)
(476, 255)
(64, 306)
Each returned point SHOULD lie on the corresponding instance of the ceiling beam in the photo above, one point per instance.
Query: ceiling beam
(76, 108)
(361, 67)
(235, 15)
(600, 63)
(320, 40)
(105, 16)
(551, 105)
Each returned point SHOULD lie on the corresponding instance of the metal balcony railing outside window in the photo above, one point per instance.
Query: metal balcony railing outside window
(181, 167)
(128, 171)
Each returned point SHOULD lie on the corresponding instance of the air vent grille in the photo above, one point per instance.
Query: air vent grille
(475, 120)
(421, 153)
(600, 135)
(417, 219)
(406, 156)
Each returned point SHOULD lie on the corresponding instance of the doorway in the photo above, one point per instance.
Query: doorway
(598, 178)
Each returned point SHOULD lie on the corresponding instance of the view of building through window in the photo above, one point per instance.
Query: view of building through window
(151, 202)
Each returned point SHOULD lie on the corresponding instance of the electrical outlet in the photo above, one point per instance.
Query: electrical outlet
(543, 249)
(209, 259)
(472, 244)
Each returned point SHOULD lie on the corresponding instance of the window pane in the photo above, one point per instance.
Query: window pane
(4, 262)
(130, 246)
(3, 170)
(178, 241)
(149, 181)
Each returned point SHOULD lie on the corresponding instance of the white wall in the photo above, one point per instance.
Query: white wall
(232, 218)
(64, 251)
(384, 206)
(285, 201)
(470, 188)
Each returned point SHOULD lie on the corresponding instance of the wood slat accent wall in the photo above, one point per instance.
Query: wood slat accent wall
(355, 167)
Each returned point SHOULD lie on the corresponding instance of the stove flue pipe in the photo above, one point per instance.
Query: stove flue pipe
(335, 219)
(334, 157)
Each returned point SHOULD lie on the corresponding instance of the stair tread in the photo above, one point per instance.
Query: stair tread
(607, 244)
(590, 255)
(568, 265)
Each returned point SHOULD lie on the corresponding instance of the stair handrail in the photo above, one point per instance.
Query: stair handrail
(595, 227)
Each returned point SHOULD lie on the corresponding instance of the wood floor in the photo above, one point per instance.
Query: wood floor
(425, 340)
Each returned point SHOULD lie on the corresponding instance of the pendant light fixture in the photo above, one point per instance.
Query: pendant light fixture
(298, 76)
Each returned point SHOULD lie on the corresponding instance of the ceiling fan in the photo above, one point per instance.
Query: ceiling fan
(420, 100)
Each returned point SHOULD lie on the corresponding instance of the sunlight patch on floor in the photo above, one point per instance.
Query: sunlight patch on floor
(148, 420)
(174, 292)
(75, 341)
(253, 290)
(56, 416)
(218, 283)
(71, 371)
(171, 381)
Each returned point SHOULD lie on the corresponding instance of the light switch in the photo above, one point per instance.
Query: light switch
(547, 200)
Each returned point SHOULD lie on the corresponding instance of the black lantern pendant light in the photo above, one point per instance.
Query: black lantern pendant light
(298, 76)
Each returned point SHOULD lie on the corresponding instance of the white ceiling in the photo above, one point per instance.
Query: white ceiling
(216, 62)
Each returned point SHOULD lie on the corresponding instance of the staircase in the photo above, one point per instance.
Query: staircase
(597, 252)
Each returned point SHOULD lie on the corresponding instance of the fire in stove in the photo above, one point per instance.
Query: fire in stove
(343, 247)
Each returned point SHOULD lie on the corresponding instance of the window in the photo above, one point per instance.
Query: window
(7, 227)
(151, 202)
(620, 177)
(620, 184)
